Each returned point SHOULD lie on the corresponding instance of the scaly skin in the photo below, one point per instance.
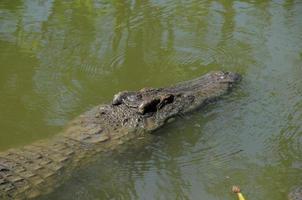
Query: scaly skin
(295, 194)
(40, 167)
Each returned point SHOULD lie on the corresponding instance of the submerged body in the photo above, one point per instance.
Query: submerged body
(38, 168)
(295, 194)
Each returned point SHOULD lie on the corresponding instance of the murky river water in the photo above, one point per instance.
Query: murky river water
(59, 58)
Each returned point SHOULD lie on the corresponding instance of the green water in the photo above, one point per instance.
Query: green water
(59, 58)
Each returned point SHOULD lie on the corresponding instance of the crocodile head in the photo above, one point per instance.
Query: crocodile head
(151, 108)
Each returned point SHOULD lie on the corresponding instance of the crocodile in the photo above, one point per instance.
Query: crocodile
(38, 168)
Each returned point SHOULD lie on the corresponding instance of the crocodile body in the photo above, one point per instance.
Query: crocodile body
(38, 168)
(295, 194)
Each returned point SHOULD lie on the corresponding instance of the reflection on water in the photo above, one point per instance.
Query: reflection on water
(59, 58)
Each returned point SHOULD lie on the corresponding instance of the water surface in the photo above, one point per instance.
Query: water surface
(59, 58)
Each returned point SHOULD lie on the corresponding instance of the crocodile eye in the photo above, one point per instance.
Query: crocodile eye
(134, 97)
(165, 99)
(148, 106)
(118, 98)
